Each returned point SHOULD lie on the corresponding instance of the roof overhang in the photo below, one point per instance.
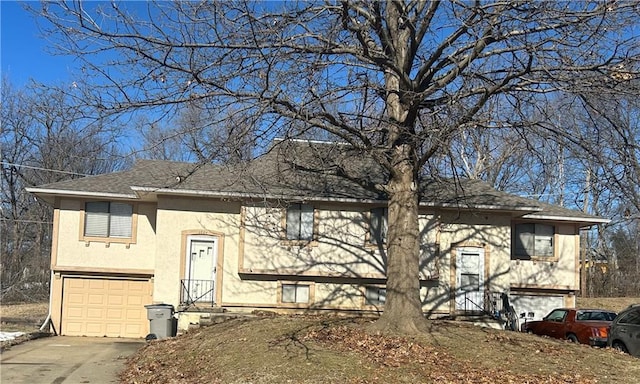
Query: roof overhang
(583, 221)
(151, 194)
(145, 192)
(49, 195)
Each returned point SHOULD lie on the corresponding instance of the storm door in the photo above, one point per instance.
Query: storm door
(469, 279)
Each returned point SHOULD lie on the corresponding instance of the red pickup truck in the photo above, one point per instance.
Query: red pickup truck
(586, 326)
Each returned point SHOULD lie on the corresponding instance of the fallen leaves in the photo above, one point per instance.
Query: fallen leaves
(435, 366)
(307, 349)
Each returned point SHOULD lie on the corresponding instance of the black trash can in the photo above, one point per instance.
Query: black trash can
(160, 321)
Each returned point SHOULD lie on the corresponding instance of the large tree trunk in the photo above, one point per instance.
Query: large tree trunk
(402, 309)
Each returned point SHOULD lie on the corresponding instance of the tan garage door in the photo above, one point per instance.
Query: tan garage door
(105, 307)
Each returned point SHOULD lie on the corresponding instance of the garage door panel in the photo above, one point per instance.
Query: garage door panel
(73, 328)
(76, 298)
(114, 313)
(136, 314)
(76, 283)
(116, 299)
(98, 284)
(73, 312)
(95, 313)
(97, 299)
(105, 307)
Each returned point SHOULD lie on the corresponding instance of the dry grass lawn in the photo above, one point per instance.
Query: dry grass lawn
(309, 349)
(26, 318)
(23, 317)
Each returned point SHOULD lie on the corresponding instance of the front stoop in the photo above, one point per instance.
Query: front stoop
(193, 318)
(479, 320)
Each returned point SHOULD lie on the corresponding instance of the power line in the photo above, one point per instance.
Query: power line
(26, 221)
(44, 169)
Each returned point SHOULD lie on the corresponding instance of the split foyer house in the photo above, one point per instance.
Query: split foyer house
(295, 230)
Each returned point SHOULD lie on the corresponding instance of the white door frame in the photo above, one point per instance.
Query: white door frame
(469, 290)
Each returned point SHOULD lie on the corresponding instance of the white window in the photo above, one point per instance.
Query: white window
(533, 240)
(378, 222)
(375, 295)
(295, 293)
(300, 222)
(108, 219)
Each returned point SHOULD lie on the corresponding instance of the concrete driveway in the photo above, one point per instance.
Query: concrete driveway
(65, 359)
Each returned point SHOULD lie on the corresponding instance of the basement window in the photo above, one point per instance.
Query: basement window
(375, 296)
(295, 293)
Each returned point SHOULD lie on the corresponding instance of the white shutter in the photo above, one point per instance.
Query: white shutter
(120, 225)
(96, 222)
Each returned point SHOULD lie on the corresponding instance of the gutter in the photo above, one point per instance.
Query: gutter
(80, 193)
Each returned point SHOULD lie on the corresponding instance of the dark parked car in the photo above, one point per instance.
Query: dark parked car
(585, 326)
(624, 334)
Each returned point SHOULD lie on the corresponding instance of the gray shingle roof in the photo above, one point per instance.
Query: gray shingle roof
(297, 170)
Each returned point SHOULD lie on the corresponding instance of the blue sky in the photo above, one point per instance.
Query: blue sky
(23, 53)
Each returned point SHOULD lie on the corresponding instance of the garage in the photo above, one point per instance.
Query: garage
(538, 305)
(110, 307)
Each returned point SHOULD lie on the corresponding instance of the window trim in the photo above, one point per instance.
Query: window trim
(554, 257)
(313, 241)
(102, 239)
(311, 296)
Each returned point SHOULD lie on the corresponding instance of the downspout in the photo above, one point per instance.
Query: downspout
(47, 321)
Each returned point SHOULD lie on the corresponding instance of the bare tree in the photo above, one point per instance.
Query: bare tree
(395, 79)
(193, 137)
(608, 140)
(44, 140)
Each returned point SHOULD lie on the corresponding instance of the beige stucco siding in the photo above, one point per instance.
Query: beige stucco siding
(435, 297)
(559, 272)
(490, 232)
(338, 296)
(74, 252)
(180, 217)
(339, 248)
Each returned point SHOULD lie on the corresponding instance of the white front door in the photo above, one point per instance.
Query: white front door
(469, 279)
(200, 270)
